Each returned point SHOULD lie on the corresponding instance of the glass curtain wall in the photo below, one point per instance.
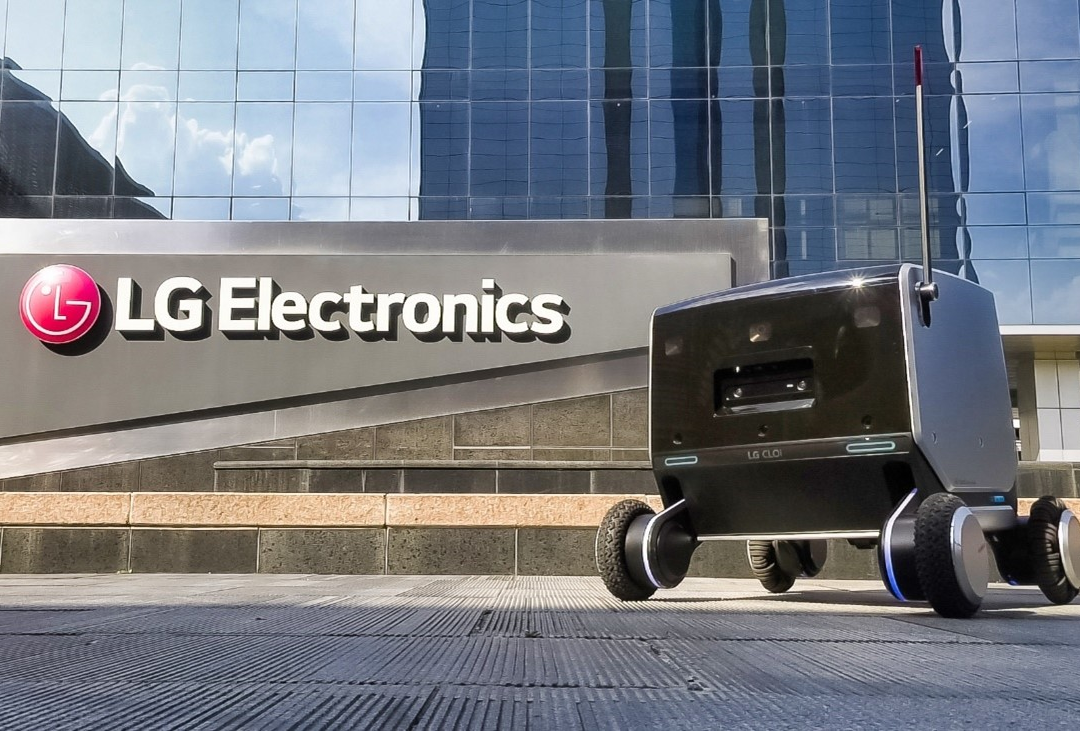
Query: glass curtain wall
(801, 112)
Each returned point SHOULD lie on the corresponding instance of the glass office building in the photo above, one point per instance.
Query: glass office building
(799, 112)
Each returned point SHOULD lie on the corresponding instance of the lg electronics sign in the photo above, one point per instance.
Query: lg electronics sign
(61, 304)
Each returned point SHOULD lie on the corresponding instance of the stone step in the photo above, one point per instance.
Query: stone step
(434, 476)
(431, 464)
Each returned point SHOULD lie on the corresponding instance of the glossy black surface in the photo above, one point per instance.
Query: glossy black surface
(842, 339)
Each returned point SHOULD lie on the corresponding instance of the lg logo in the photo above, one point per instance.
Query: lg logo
(60, 304)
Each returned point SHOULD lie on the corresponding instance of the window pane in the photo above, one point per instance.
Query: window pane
(382, 152)
(1010, 283)
(499, 162)
(1053, 208)
(679, 34)
(151, 34)
(262, 156)
(619, 154)
(444, 132)
(808, 146)
(201, 209)
(499, 34)
(1057, 284)
(267, 34)
(27, 147)
(860, 31)
(322, 134)
(384, 32)
(320, 209)
(264, 86)
(559, 149)
(148, 85)
(617, 34)
(92, 34)
(1048, 29)
(324, 86)
(807, 25)
(207, 86)
(204, 135)
(1052, 141)
(208, 34)
(144, 144)
(991, 209)
(382, 209)
(35, 33)
(86, 148)
(999, 242)
(89, 85)
(864, 145)
(994, 153)
(260, 209)
(987, 31)
(447, 43)
(324, 35)
(1054, 242)
(1050, 76)
(558, 33)
(378, 86)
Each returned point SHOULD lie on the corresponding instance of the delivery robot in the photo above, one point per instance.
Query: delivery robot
(871, 406)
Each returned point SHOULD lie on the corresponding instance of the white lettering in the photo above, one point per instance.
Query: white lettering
(487, 307)
(382, 310)
(432, 309)
(315, 312)
(502, 314)
(357, 300)
(190, 307)
(548, 309)
(470, 313)
(255, 306)
(230, 303)
(266, 296)
(126, 320)
(285, 306)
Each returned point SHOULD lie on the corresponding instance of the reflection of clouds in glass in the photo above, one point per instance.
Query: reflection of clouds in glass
(210, 150)
(256, 156)
(204, 154)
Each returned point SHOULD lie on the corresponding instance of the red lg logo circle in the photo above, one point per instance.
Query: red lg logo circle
(60, 304)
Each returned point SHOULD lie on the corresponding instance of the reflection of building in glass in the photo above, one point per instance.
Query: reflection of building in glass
(439, 109)
(49, 170)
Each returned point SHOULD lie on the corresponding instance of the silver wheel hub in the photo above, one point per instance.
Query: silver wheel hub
(1069, 547)
(971, 555)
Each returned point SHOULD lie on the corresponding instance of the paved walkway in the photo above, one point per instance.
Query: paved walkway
(311, 652)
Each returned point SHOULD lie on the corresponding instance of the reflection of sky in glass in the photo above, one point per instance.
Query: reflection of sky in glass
(335, 109)
(151, 34)
(35, 33)
(267, 34)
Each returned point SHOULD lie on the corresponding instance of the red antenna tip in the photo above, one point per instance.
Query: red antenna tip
(918, 65)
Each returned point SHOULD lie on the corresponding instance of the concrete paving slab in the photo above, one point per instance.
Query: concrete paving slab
(477, 652)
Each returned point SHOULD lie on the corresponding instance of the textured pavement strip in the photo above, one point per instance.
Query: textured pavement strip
(310, 652)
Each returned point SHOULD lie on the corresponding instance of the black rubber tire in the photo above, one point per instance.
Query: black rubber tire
(934, 558)
(1044, 550)
(611, 551)
(766, 568)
